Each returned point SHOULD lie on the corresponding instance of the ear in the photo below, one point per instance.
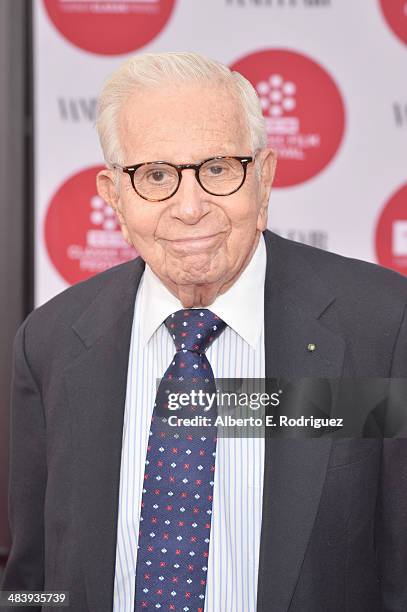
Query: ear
(106, 188)
(267, 161)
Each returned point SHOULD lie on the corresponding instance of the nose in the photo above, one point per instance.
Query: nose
(190, 202)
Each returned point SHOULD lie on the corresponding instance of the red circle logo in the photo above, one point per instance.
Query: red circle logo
(82, 234)
(303, 108)
(395, 13)
(109, 27)
(391, 233)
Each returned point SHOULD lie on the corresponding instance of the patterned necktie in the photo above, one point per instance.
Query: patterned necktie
(176, 504)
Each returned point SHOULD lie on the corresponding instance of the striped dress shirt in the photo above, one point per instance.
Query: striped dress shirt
(238, 487)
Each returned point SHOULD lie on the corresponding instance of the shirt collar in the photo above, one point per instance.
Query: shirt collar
(241, 306)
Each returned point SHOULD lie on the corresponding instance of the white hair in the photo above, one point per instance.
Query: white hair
(154, 69)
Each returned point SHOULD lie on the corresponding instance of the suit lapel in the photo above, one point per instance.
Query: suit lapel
(96, 386)
(298, 311)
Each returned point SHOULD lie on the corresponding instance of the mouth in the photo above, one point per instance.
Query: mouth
(196, 243)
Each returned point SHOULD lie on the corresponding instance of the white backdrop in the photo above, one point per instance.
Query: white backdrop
(332, 78)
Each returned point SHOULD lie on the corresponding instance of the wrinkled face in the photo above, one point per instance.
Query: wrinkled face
(193, 240)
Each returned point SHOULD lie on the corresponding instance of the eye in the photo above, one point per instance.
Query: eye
(216, 170)
(156, 176)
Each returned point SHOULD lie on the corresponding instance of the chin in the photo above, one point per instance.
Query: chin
(196, 268)
(195, 278)
(196, 275)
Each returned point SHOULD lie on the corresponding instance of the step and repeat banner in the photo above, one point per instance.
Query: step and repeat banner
(331, 76)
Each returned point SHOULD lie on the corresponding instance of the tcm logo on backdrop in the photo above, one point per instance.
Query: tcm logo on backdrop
(391, 233)
(395, 13)
(109, 27)
(82, 234)
(303, 108)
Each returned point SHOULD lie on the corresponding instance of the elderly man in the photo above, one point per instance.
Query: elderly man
(104, 504)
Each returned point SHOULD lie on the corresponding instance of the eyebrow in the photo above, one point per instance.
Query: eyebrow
(196, 159)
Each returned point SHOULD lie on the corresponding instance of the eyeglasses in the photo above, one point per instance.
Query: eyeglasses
(159, 180)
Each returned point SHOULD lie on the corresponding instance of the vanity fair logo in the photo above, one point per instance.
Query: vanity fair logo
(395, 13)
(314, 237)
(303, 108)
(400, 114)
(82, 234)
(391, 233)
(77, 109)
(280, 3)
(109, 27)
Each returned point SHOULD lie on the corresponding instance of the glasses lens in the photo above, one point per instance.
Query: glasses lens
(155, 181)
(221, 176)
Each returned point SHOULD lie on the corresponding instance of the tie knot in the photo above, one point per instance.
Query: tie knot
(194, 329)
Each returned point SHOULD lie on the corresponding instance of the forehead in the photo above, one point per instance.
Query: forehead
(182, 123)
